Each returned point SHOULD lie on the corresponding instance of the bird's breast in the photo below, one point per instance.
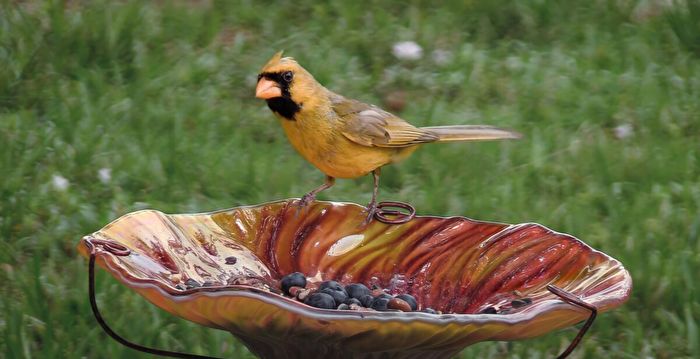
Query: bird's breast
(327, 149)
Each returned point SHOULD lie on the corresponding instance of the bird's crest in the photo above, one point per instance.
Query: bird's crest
(277, 59)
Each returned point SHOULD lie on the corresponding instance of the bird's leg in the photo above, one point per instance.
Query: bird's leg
(372, 206)
(311, 196)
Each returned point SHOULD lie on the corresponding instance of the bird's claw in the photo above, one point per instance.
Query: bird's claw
(371, 211)
(304, 202)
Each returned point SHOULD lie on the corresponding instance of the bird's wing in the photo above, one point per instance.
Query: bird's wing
(371, 126)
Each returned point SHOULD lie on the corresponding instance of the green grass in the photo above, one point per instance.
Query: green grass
(162, 94)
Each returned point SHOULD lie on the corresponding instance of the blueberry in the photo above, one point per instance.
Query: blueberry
(295, 279)
(517, 303)
(353, 301)
(380, 304)
(191, 283)
(330, 284)
(384, 295)
(320, 300)
(340, 296)
(429, 311)
(356, 290)
(343, 307)
(366, 300)
(409, 299)
(488, 310)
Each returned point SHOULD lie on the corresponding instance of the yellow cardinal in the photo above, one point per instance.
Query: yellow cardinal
(346, 138)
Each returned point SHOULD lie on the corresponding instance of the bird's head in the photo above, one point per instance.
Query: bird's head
(286, 86)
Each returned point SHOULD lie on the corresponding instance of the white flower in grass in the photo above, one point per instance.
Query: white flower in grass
(624, 131)
(104, 175)
(407, 50)
(60, 183)
(442, 57)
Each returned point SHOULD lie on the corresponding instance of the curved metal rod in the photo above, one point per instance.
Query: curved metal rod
(112, 247)
(381, 214)
(121, 251)
(574, 300)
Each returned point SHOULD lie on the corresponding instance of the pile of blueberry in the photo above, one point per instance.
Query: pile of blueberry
(356, 296)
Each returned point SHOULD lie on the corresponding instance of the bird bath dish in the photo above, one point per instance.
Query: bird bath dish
(464, 268)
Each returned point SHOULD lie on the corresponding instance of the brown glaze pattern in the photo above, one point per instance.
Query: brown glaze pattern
(456, 265)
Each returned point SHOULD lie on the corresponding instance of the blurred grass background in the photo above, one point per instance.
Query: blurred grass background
(109, 107)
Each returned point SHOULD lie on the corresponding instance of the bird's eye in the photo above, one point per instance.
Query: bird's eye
(288, 76)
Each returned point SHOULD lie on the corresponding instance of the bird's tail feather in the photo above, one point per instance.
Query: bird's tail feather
(471, 133)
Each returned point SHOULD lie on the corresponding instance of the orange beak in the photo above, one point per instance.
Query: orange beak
(267, 89)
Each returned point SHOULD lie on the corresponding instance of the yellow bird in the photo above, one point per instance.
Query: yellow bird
(346, 138)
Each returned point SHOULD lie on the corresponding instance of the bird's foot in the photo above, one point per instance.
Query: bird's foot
(305, 201)
(371, 211)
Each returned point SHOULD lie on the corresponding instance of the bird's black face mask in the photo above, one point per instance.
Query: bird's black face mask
(274, 87)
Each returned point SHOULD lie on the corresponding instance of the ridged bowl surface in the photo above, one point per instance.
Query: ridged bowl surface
(456, 265)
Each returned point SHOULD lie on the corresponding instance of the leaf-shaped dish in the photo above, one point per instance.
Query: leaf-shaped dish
(456, 265)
